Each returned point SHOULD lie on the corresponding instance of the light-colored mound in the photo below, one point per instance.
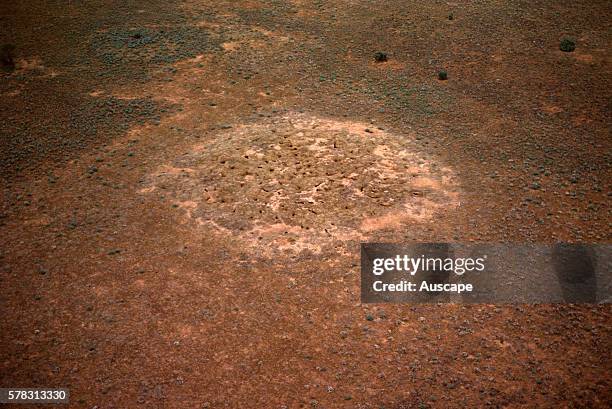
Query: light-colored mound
(300, 182)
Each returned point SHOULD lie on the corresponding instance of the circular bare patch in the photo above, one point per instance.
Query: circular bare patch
(298, 182)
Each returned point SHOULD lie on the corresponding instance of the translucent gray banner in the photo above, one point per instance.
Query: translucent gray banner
(486, 273)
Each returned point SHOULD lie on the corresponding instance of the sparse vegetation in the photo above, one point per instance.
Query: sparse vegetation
(7, 59)
(191, 181)
(381, 57)
(567, 45)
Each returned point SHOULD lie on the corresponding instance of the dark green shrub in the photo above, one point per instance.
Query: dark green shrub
(380, 57)
(7, 59)
(567, 45)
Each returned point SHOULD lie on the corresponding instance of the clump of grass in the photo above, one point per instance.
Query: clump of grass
(567, 45)
(381, 57)
(442, 75)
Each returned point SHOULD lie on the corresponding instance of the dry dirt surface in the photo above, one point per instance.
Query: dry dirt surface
(186, 183)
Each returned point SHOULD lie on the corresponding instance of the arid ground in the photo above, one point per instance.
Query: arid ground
(186, 183)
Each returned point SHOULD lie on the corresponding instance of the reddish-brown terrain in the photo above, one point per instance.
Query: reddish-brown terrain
(186, 184)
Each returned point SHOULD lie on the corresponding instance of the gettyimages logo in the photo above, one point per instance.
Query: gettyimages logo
(413, 264)
(485, 273)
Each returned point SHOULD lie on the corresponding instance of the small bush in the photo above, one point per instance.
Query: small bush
(380, 57)
(567, 45)
(7, 60)
(442, 75)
